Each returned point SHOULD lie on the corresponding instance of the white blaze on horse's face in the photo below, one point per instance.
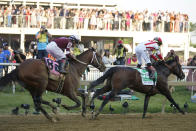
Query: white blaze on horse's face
(97, 62)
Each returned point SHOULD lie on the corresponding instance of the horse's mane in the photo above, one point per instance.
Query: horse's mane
(81, 55)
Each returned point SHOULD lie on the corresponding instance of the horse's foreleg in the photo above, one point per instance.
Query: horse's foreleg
(146, 100)
(76, 100)
(84, 98)
(108, 97)
(169, 97)
(54, 108)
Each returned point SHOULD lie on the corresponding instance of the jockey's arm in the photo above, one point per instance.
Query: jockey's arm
(159, 55)
(69, 54)
(152, 55)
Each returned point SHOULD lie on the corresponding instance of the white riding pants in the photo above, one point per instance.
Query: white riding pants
(55, 51)
(142, 53)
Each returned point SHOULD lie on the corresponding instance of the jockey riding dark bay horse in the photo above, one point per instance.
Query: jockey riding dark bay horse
(33, 75)
(119, 78)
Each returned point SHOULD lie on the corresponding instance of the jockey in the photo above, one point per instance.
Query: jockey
(144, 50)
(58, 45)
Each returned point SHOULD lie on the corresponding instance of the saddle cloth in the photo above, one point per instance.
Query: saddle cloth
(145, 77)
(53, 69)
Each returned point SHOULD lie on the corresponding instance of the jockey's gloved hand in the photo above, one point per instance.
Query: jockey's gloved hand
(161, 61)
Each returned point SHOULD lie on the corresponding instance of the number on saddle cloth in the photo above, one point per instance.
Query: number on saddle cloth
(145, 77)
(52, 66)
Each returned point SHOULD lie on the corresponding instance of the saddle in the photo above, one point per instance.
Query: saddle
(146, 80)
(53, 69)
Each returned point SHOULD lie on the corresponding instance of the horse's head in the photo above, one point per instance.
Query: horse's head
(96, 60)
(175, 67)
(193, 61)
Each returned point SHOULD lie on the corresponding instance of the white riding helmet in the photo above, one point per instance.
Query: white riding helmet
(75, 38)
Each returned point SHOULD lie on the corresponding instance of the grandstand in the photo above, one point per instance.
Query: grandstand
(21, 31)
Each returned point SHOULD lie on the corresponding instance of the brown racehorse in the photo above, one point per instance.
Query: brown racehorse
(32, 74)
(119, 78)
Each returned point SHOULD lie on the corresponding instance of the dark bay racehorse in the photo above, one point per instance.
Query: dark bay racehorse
(119, 78)
(33, 74)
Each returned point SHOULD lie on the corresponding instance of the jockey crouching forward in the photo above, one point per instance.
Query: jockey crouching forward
(144, 50)
(58, 45)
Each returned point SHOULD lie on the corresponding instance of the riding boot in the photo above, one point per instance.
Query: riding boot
(139, 66)
(151, 71)
(62, 64)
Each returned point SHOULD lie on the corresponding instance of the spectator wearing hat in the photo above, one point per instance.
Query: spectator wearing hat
(120, 52)
(7, 55)
(42, 38)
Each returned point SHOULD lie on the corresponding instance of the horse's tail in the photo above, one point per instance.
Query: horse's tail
(5, 80)
(101, 79)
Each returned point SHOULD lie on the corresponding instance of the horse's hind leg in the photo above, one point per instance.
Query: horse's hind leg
(100, 92)
(105, 101)
(169, 97)
(147, 98)
(54, 108)
(37, 101)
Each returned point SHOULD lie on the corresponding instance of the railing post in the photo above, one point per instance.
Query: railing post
(52, 22)
(163, 25)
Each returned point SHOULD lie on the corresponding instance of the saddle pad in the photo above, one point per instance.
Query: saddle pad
(52, 66)
(145, 77)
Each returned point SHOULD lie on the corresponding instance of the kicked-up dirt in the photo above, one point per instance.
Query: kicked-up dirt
(110, 122)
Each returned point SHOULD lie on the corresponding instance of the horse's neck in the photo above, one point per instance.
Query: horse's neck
(80, 67)
(163, 70)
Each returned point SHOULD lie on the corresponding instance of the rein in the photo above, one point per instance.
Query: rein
(167, 66)
(80, 61)
(94, 57)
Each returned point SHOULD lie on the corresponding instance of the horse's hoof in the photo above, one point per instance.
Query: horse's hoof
(57, 118)
(92, 117)
(55, 110)
(54, 120)
(83, 114)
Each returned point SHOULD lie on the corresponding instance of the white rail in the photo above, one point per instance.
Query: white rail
(95, 73)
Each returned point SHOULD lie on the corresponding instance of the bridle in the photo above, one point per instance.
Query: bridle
(94, 57)
(170, 68)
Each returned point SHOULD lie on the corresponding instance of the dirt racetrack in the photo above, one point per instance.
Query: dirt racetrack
(113, 122)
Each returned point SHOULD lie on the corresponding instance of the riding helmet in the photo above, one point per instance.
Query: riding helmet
(158, 40)
(75, 38)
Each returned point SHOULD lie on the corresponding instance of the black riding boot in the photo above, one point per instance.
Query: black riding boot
(62, 64)
(150, 71)
(139, 66)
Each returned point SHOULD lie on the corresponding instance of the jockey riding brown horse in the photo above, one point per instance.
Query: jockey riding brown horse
(119, 78)
(33, 75)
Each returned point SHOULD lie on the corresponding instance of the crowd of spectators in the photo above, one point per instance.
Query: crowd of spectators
(92, 19)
